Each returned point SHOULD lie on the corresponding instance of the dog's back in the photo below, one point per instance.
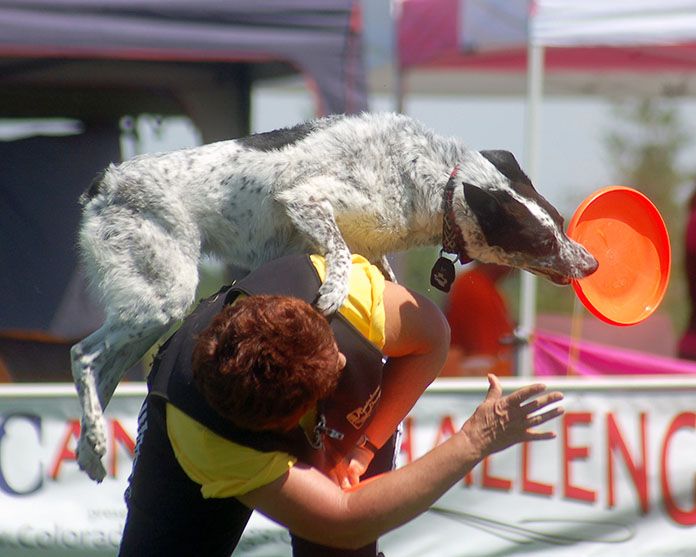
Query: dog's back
(223, 196)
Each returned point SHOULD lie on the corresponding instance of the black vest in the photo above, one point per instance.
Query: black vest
(343, 415)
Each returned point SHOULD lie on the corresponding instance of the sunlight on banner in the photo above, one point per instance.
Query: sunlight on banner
(47, 506)
(620, 478)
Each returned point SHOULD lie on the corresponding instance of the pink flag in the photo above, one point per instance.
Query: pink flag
(555, 354)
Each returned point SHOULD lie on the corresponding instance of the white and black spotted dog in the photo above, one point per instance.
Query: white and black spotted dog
(369, 184)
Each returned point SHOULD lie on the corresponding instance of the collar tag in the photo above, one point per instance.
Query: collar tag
(442, 274)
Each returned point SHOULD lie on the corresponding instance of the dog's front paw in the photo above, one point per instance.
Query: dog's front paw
(91, 447)
(330, 298)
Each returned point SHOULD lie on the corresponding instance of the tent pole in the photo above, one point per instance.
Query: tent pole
(527, 317)
(397, 68)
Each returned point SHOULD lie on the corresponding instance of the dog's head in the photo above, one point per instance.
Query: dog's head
(512, 224)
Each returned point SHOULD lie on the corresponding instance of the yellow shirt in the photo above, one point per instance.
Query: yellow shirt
(226, 469)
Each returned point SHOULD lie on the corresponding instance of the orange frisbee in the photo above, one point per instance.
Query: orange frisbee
(625, 232)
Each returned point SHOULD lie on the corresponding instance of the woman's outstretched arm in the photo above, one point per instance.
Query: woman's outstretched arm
(315, 508)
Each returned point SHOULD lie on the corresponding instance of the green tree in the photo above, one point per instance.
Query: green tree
(644, 148)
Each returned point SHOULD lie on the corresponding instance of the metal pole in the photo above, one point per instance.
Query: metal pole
(397, 70)
(535, 78)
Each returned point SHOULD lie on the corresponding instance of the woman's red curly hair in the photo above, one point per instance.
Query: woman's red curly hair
(266, 359)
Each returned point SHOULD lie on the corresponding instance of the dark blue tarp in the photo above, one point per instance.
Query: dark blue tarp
(42, 178)
(320, 38)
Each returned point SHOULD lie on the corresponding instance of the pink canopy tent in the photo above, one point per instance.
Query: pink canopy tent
(625, 47)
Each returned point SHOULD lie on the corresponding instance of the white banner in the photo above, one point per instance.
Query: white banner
(619, 479)
(47, 506)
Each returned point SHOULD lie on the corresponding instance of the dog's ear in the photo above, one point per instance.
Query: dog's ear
(484, 205)
(507, 165)
(507, 223)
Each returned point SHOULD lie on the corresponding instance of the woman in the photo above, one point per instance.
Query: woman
(258, 402)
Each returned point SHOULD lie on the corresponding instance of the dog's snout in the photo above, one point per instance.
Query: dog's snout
(588, 263)
(591, 267)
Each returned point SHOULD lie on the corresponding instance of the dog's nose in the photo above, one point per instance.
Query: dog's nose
(591, 265)
(584, 262)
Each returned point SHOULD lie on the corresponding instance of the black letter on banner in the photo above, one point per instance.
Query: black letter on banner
(34, 420)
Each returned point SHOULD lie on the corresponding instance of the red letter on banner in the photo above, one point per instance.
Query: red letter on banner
(680, 516)
(445, 431)
(530, 486)
(494, 482)
(575, 453)
(65, 453)
(119, 437)
(639, 472)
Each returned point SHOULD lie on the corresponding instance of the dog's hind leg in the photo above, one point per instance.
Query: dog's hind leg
(98, 383)
(88, 356)
(313, 218)
(147, 274)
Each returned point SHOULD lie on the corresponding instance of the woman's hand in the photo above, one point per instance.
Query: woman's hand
(502, 421)
(348, 470)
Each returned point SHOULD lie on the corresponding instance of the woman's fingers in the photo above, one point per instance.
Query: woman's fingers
(517, 398)
(525, 393)
(353, 478)
(541, 402)
(541, 418)
(529, 414)
(532, 435)
(495, 389)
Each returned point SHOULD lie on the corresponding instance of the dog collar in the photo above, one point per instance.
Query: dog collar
(442, 274)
